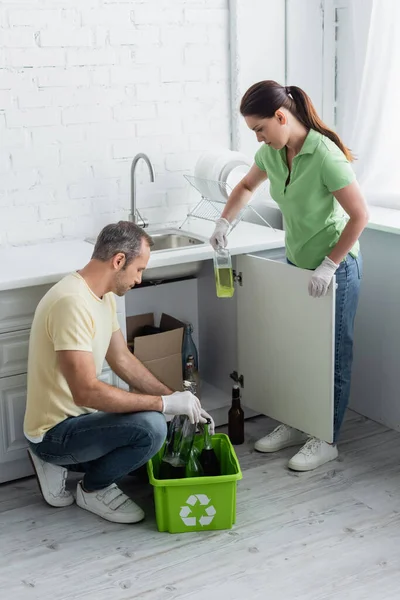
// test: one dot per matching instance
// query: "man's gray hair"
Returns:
(125, 237)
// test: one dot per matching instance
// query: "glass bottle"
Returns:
(180, 438)
(192, 376)
(194, 468)
(223, 273)
(208, 458)
(187, 440)
(189, 347)
(236, 418)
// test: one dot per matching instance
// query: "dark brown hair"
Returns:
(264, 98)
(123, 236)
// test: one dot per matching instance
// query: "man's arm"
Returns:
(131, 370)
(79, 370)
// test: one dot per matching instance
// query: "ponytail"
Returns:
(307, 115)
(263, 99)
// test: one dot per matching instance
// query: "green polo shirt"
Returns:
(314, 220)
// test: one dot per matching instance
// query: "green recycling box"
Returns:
(197, 503)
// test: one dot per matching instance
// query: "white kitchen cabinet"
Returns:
(14, 352)
(285, 345)
(271, 332)
(17, 308)
(14, 462)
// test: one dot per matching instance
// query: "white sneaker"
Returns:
(51, 480)
(111, 504)
(281, 437)
(313, 454)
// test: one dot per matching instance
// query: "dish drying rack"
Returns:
(211, 204)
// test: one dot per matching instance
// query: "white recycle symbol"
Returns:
(205, 519)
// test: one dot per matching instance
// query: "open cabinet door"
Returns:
(286, 345)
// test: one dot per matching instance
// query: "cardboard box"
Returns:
(161, 352)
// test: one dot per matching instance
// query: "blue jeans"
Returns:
(348, 279)
(104, 446)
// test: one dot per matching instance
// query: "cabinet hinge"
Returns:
(238, 277)
(237, 378)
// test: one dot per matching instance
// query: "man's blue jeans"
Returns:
(348, 279)
(104, 446)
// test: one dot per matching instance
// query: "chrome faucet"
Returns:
(135, 215)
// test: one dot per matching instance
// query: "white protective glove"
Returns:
(218, 239)
(203, 419)
(183, 403)
(321, 278)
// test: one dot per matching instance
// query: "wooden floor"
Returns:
(332, 533)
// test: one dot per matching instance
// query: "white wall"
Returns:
(283, 41)
(84, 86)
(305, 48)
(257, 53)
(310, 34)
(257, 33)
(351, 51)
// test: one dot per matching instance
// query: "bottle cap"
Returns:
(235, 391)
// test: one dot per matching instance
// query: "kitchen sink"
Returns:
(173, 240)
(166, 240)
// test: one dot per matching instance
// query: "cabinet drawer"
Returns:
(14, 353)
(17, 307)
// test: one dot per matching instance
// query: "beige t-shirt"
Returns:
(69, 317)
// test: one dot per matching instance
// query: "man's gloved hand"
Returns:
(203, 419)
(218, 238)
(321, 278)
(182, 403)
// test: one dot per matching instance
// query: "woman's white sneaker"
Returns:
(110, 503)
(51, 480)
(281, 437)
(313, 454)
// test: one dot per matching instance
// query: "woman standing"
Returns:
(314, 185)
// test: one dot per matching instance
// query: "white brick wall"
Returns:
(84, 86)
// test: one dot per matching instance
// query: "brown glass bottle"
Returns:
(236, 418)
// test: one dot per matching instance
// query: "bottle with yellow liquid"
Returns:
(223, 273)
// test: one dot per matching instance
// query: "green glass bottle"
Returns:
(194, 468)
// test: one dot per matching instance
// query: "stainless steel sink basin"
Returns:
(166, 240)
(173, 240)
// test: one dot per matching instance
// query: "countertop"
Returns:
(244, 238)
(384, 219)
(47, 263)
